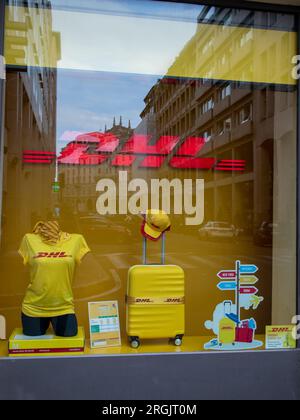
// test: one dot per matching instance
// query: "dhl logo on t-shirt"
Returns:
(52, 255)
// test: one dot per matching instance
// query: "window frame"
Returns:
(255, 6)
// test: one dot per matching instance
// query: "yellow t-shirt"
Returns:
(52, 269)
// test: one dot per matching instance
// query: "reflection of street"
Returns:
(196, 254)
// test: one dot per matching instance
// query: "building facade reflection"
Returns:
(30, 122)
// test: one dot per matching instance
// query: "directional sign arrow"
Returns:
(248, 290)
(249, 280)
(227, 275)
(227, 285)
(248, 269)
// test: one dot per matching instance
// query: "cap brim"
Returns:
(151, 233)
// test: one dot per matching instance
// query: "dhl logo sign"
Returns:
(32, 156)
(281, 330)
(51, 255)
(97, 149)
(155, 301)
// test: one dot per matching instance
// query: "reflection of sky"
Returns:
(177, 11)
(106, 51)
(127, 44)
(87, 101)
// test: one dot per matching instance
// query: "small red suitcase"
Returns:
(244, 335)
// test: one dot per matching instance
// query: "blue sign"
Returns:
(248, 269)
(227, 285)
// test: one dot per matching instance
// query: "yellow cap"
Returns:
(156, 223)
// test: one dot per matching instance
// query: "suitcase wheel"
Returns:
(134, 342)
(178, 340)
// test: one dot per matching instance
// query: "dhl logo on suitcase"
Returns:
(155, 301)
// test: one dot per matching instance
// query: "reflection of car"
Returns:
(104, 228)
(264, 234)
(218, 230)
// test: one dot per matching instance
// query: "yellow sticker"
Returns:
(280, 337)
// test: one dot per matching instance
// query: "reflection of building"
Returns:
(236, 119)
(30, 120)
(79, 178)
(148, 123)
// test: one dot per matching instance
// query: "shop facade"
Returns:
(187, 107)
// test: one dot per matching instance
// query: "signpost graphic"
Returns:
(241, 280)
(249, 280)
(227, 285)
(248, 290)
(227, 275)
(238, 306)
(248, 269)
(233, 331)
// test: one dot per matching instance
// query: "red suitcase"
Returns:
(244, 335)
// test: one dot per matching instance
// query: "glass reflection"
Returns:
(83, 105)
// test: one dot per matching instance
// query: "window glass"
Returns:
(225, 91)
(116, 107)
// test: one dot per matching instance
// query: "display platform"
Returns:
(190, 345)
(20, 345)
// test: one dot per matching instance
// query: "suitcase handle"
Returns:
(163, 250)
(229, 303)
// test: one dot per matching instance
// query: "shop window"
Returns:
(97, 134)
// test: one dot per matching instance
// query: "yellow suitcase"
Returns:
(227, 328)
(155, 306)
(227, 332)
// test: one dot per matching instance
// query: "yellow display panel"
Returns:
(190, 345)
(23, 346)
(241, 54)
(176, 49)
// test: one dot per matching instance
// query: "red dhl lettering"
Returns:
(280, 330)
(52, 255)
(138, 150)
